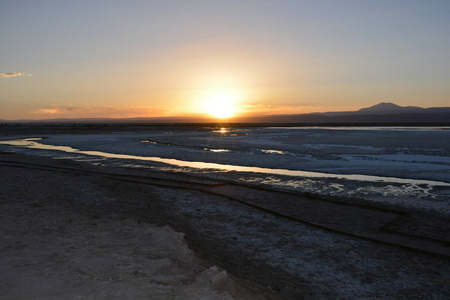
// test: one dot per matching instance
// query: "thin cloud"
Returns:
(262, 109)
(100, 112)
(14, 74)
(47, 111)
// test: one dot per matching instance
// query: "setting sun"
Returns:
(221, 105)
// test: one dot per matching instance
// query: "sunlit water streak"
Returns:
(33, 143)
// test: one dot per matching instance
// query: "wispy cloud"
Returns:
(100, 112)
(263, 109)
(46, 111)
(14, 74)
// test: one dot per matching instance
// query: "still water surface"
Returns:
(33, 143)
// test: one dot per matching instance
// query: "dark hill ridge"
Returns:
(387, 107)
(391, 108)
(382, 113)
(383, 106)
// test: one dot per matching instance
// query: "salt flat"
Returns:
(290, 260)
(420, 153)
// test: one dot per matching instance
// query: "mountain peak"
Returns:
(388, 107)
(382, 106)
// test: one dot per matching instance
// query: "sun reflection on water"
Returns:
(223, 130)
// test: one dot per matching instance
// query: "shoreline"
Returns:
(35, 144)
(415, 196)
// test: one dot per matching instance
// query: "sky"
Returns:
(121, 59)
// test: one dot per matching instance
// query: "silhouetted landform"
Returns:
(380, 114)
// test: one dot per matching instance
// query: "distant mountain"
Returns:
(390, 108)
(387, 113)
(382, 107)
(382, 113)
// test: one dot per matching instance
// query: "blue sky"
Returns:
(164, 58)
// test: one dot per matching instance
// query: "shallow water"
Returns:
(34, 144)
(384, 164)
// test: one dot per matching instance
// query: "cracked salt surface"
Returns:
(332, 265)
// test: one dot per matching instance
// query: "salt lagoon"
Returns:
(411, 161)
(404, 169)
